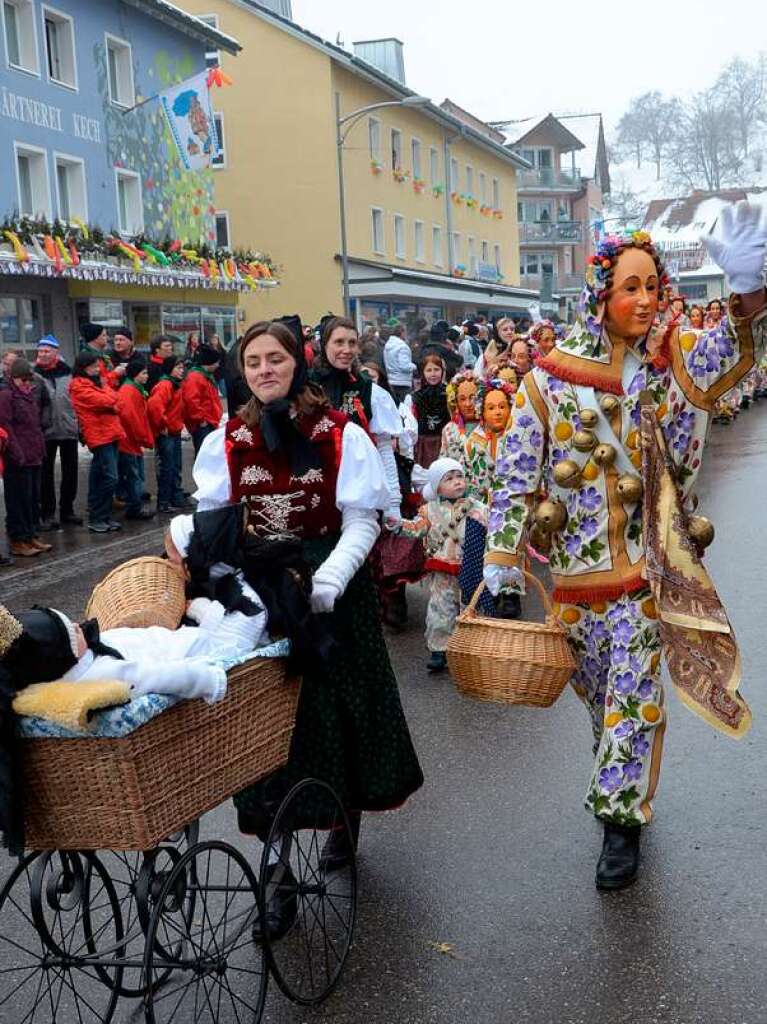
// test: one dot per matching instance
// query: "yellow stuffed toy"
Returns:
(70, 704)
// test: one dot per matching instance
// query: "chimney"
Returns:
(384, 54)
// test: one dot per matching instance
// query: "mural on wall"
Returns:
(178, 203)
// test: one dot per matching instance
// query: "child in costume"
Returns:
(441, 523)
(461, 395)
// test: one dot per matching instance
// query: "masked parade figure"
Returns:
(618, 408)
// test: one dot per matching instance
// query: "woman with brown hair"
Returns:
(304, 470)
(496, 355)
(430, 409)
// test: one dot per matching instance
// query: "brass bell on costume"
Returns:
(609, 404)
(584, 440)
(701, 531)
(567, 473)
(550, 516)
(630, 489)
(588, 418)
(604, 455)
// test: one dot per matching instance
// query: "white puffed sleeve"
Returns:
(211, 472)
(408, 439)
(361, 482)
(385, 418)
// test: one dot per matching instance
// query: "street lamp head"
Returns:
(415, 101)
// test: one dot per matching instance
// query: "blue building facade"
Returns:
(83, 141)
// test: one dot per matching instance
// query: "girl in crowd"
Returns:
(430, 409)
(302, 469)
(496, 355)
(461, 395)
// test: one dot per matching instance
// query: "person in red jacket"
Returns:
(95, 405)
(166, 418)
(202, 402)
(132, 409)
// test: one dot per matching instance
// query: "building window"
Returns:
(469, 180)
(400, 250)
(120, 68)
(212, 57)
(472, 254)
(496, 194)
(32, 179)
(379, 244)
(436, 245)
(222, 230)
(434, 166)
(456, 249)
(21, 324)
(454, 176)
(420, 253)
(70, 188)
(374, 138)
(396, 149)
(60, 47)
(485, 252)
(130, 207)
(415, 147)
(483, 188)
(497, 256)
(20, 35)
(219, 160)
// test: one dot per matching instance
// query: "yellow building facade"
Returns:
(430, 201)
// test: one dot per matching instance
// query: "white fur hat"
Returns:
(436, 471)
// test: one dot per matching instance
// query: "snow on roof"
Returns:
(679, 223)
(166, 11)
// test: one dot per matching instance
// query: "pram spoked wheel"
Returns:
(53, 908)
(307, 961)
(205, 967)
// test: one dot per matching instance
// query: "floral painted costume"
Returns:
(597, 558)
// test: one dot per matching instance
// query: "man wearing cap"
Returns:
(61, 436)
(123, 350)
(200, 396)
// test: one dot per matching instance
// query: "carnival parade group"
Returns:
(334, 468)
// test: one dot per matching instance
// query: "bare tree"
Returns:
(743, 84)
(658, 117)
(631, 133)
(705, 148)
(624, 205)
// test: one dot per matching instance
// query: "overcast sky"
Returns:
(549, 55)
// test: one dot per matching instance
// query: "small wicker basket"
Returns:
(510, 661)
(146, 591)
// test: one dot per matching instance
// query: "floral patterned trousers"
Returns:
(442, 611)
(618, 679)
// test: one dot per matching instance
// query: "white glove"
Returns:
(740, 247)
(386, 451)
(359, 531)
(324, 596)
(198, 608)
(501, 577)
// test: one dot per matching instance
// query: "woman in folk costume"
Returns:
(430, 408)
(543, 335)
(494, 404)
(304, 470)
(576, 429)
(461, 402)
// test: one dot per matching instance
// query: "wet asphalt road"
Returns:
(495, 855)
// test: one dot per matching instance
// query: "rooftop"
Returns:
(679, 223)
(172, 15)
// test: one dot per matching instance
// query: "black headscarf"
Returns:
(278, 426)
(337, 384)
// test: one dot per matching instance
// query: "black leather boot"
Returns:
(437, 662)
(618, 866)
(337, 852)
(281, 906)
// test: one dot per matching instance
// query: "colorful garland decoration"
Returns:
(419, 185)
(438, 190)
(376, 167)
(400, 175)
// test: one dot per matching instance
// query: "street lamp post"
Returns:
(343, 126)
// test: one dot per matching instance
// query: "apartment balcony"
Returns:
(549, 177)
(681, 258)
(560, 283)
(561, 232)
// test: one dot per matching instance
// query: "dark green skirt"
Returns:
(350, 729)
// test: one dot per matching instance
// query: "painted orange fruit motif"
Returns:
(651, 713)
(563, 431)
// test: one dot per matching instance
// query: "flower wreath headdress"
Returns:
(464, 377)
(537, 329)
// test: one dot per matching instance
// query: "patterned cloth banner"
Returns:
(189, 112)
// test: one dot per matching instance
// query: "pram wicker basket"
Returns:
(147, 591)
(510, 661)
(133, 792)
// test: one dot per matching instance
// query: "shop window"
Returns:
(20, 35)
(377, 221)
(120, 68)
(415, 147)
(418, 239)
(436, 245)
(21, 324)
(219, 158)
(222, 230)
(374, 138)
(70, 187)
(32, 179)
(434, 166)
(396, 149)
(60, 47)
(130, 207)
(400, 247)
(220, 321)
(181, 321)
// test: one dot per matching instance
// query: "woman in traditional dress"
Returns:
(430, 409)
(304, 470)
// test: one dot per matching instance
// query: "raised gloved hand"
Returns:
(500, 577)
(739, 246)
(324, 596)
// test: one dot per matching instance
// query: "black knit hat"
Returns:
(170, 364)
(134, 366)
(90, 332)
(206, 355)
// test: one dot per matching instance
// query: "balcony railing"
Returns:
(678, 258)
(548, 177)
(561, 232)
(560, 283)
